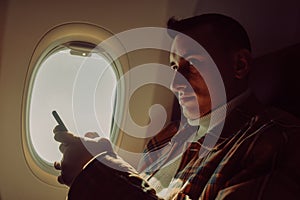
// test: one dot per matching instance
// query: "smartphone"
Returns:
(58, 120)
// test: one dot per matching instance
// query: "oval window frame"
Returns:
(50, 42)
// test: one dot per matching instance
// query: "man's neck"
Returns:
(228, 107)
(217, 116)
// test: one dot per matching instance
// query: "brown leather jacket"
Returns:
(259, 160)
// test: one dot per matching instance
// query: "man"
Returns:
(248, 155)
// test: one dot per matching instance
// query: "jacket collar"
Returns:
(235, 119)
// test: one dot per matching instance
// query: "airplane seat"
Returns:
(275, 79)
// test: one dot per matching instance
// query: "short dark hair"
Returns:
(228, 30)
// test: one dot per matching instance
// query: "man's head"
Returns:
(227, 43)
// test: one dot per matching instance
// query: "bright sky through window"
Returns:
(81, 89)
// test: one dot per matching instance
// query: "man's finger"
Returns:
(62, 147)
(59, 128)
(57, 165)
(91, 134)
(60, 179)
(64, 137)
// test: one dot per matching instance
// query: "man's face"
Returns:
(191, 68)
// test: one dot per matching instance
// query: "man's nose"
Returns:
(179, 82)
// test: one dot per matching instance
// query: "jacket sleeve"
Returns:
(109, 177)
(274, 156)
(273, 186)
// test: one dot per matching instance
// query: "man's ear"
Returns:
(242, 63)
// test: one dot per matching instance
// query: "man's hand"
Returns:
(77, 152)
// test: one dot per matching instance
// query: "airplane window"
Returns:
(80, 86)
(70, 74)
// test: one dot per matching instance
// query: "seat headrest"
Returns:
(275, 79)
